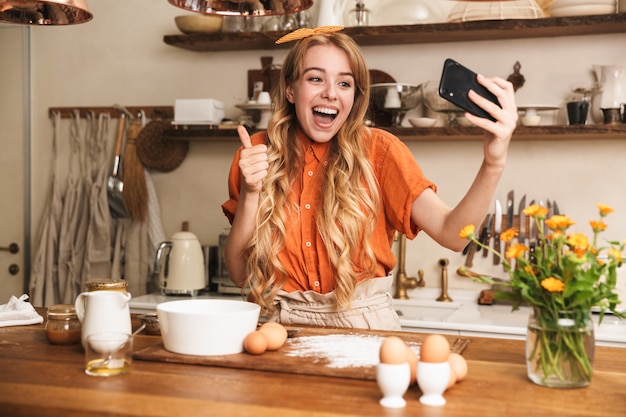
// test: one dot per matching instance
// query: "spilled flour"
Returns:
(341, 350)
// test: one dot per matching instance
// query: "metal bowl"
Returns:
(389, 102)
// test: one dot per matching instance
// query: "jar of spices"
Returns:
(63, 326)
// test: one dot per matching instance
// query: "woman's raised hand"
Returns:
(253, 162)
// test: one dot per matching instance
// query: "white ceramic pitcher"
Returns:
(103, 312)
(612, 80)
(330, 13)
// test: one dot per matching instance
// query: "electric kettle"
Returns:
(179, 263)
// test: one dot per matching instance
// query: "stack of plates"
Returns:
(581, 7)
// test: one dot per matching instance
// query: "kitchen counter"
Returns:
(465, 317)
(39, 379)
(462, 317)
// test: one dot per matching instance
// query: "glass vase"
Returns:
(560, 348)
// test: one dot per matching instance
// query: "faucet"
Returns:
(443, 262)
(402, 282)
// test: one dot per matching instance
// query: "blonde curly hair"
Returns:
(350, 200)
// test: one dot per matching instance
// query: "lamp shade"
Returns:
(51, 12)
(244, 7)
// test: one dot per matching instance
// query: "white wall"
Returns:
(120, 57)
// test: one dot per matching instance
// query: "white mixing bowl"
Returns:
(206, 327)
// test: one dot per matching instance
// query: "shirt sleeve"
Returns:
(229, 207)
(401, 181)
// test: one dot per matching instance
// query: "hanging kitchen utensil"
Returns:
(157, 151)
(135, 188)
(115, 186)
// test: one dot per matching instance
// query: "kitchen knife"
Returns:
(555, 208)
(532, 238)
(521, 237)
(510, 209)
(497, 229)
(510, 216)
(486, 237)
(473, 246)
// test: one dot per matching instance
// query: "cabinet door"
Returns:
(12, 152)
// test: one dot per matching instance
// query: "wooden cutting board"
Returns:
(345, 353)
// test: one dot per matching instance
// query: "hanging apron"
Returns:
(372, 307)
(156, 235)
(73, 221)
(43, 283)
(98, 241)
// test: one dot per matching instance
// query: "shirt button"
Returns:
(316, 283)
(325, 163)
(310, 173)
(307, 206)
(307, 244)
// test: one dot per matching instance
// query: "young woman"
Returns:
(315, 200)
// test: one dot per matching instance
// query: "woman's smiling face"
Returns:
(324, 94)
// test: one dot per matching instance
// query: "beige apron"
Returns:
(372, 307)
(98, 240)
(73, 228)
(44, 275)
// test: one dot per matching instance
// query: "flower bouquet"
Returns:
(561, 278)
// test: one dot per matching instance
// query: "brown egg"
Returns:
(255, 343)
(459, 365)
(412, 358)
(393, 350)
(276, 334)
(435, 349)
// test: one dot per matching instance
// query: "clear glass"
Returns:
(560, 349)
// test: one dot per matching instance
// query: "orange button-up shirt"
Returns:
(305, 257)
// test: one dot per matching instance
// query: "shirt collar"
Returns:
(319, 149)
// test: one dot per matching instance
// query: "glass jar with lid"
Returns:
(63, 326)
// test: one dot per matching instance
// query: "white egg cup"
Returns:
(393, 381)
(433, 379)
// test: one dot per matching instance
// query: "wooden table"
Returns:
(38, 380)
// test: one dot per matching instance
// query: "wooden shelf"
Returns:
(205, 133)
(413, 34)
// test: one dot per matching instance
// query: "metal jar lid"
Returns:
(106, 284)
(62, 312)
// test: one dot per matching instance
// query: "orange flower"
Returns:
(559, 222)
(529, 270)
(604, 209)
(508, 234)
(467, 232)
(553, 284)
(516, 251)
(597, 226)
(578, 240)
(536, 211)
(616, 254)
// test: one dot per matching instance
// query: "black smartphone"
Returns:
(456, 81)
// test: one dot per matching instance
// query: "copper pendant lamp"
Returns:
(51, 12)
(243, 7)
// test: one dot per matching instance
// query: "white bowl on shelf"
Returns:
(533, 120)
(422, 121)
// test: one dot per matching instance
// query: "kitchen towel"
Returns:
(18, 312)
